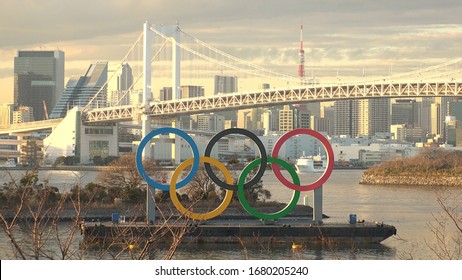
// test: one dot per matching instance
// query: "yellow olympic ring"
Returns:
(201, 216)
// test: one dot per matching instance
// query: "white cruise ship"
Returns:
(310, 164)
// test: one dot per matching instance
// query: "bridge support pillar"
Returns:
(150, 205)
(176, 149)
(317, 205)
(150, 192)
(145, 119)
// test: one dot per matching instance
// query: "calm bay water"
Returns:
(409, 209)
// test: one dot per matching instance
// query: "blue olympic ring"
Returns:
(145, 141)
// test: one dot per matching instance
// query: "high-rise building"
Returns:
(226, 84)
(379, 115)
(258, 119)
(270, 119)
(435, 116)
(455, 109)
(121, 82)
(450, 125)
(38, 80)
(6, 114)
(244, 119)
(166, 93)
(398, 131)
(459, 134)
(31, 152)
(79, 91)
(326, 121)
(286, 119)
(314, 108)
(406, 111)
(303, 119)
(125, 79)
(185, 92)
(346, 118)
(252, 119)
(210, 122)
(444, 111)
(361, 117)
(192, 91)
(425, 115)
(23, 114)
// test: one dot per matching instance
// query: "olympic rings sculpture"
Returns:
(228, 183)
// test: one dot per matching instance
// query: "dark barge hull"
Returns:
(225, 232)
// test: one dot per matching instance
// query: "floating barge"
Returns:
(235, 231)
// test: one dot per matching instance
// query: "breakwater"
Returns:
(412, 180)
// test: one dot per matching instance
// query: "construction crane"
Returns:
(45, 109)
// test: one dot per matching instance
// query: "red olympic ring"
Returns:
(330, 159)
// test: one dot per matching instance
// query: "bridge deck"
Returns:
(236, 101)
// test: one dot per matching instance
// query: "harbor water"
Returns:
(411, 209)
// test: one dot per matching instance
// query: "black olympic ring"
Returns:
(255, 139)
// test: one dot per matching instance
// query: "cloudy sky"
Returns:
(349, 35)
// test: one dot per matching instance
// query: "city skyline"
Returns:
(346, 37)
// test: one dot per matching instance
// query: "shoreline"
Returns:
(441, 180)
(64, 168)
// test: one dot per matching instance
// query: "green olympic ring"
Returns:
(246, 205)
